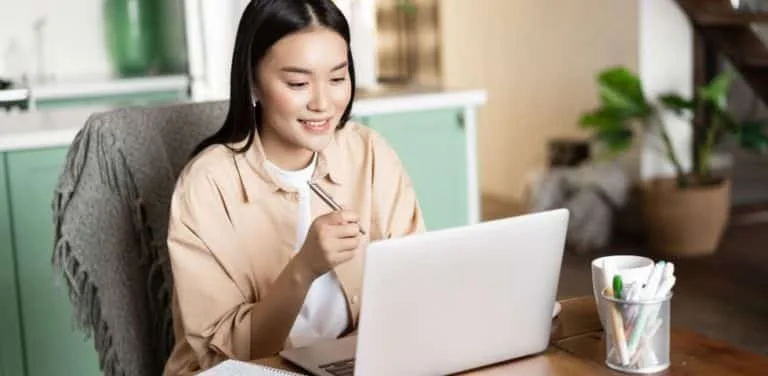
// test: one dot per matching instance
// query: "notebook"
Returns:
(237, 368)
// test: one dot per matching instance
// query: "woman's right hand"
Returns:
(331, 240)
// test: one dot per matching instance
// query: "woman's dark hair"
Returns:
(262, 24)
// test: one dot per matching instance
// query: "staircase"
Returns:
(729, 31)
(720, 29)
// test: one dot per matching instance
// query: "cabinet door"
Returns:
(11, 357)
(431, 145)
(52, 345)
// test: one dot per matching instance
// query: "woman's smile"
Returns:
(316, 126)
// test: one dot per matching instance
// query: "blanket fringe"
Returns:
(82, 291)
(84, 296)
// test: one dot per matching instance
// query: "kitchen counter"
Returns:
(58, 127)
(43, 128)
(388, 99)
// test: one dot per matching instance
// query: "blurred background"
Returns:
(485, 102)
(537, 62)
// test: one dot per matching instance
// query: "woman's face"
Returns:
(304, 87)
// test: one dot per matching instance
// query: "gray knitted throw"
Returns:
(110, 212)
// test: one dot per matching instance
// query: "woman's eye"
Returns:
(338, 79)
(297, 84)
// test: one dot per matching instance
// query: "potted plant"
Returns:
(684, 215)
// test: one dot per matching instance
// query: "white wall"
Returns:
(74, 37)
(211, 28)
(665, 43)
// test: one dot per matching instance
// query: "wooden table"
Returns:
(577, 348)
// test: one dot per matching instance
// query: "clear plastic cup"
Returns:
(636, 333)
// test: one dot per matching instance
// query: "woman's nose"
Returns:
(319, 101)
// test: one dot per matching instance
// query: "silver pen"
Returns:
(328, 199)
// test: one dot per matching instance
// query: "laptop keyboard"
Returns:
(340, 368)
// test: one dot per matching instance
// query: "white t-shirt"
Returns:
(324, 313)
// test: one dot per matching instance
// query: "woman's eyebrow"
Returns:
(339, 66)
(293, 69)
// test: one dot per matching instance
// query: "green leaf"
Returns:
(676, 103)
(753, 136)
(716, 90)
(603, 118)
(621, 90)
(617, 140)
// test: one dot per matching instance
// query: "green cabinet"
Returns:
(51, 344)
(432, 146)
(11, 358)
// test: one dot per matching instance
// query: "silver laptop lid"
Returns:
(456, 299)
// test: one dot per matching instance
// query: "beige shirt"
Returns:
(232, 230)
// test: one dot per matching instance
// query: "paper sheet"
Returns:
(238, 368)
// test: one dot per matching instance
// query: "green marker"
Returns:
(617, 287)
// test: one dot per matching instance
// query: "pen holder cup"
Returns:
(636, 333)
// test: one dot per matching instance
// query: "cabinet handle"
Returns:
(460, 119)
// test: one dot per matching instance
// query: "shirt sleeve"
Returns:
(214, 302)
(396, 206)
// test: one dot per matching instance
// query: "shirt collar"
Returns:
(330, 163)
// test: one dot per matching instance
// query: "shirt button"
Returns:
(354, 299)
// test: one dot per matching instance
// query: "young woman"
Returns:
(259, 261)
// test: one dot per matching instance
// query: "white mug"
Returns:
(632, 269)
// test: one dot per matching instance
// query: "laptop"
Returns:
(450, 300)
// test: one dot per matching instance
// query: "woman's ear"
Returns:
(254, 96)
